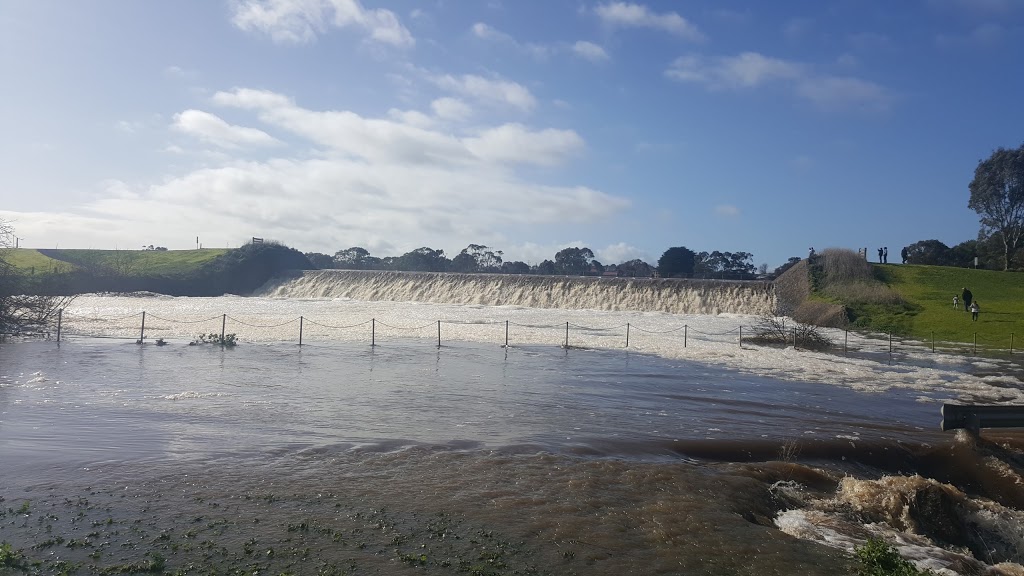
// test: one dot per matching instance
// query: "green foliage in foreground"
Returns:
(880, 559)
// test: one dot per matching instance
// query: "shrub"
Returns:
(878, 558)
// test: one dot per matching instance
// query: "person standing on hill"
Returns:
(956, 301)
(879, 255)
(885, 255)
(903, 254)
(974, 311)
(967, 297)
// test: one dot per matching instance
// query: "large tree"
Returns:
(930, 252)
(573, 261)
(997, 195)
(677, 261)
(353, 258)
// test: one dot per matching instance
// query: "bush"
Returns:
(773, 330)
(880, 559)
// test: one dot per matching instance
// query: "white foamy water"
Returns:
(711, 339)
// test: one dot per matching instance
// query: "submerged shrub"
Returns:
(877, 558)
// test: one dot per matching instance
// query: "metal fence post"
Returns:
(373, 331)
(438, 333)
(300, 330)
(846, 341)
(223, 324)
(933, 340)
(506, 333)
(627, 335)
(684, 335)
(60, 317)
(567, 335)
(741, 336)
(890, 343)
(1011, 340)
(142, 331)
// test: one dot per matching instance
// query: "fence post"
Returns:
(567, 335)
(373, 332)
(846, 341)
(1011, 339)
(627, 335)
(933, 340)
(794, 338)
(438, 333)
(684, 335)
(142, 331)
(223, 323)
(506, 333)
(741, 336)
(975, 343)
(60, 317)
(300, 330)
(890, 343)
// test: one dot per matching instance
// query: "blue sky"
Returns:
(525, 125)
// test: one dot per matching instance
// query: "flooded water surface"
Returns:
(338, 457)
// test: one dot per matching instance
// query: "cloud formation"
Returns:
(627, 15)
(299, 21)
(390, 184)
(589, 51)
(750, 70)
(211, 128)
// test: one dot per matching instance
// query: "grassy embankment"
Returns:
(916, 301)
(206, 272)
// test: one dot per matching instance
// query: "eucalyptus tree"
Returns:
(997, 195)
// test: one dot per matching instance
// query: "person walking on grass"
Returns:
(956, 302)
(966, 296)
(974, 311)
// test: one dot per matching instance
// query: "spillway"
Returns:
(676, 296)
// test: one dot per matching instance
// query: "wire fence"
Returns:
(150, 328)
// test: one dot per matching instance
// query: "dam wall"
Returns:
(676, 296)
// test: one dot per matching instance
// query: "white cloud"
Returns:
(391, 184)
(727, 211)
(625, 14)
(619, 253)
(299, 21)
(843, 92)
(751, 70)
(589, 51)
(491, 34)
(213, 129)
(451, 109)
(515, 144)
(745, 70)
(497, 91)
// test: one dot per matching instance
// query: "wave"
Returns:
(570, 292)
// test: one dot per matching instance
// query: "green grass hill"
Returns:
(916, 301)
(205, 272)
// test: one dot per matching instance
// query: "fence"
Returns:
(569, 334)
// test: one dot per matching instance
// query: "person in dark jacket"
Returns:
(967, 297)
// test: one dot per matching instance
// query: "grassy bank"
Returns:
(137, 262)
(916, 301)
(930, 289)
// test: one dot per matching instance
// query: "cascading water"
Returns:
(637, 294)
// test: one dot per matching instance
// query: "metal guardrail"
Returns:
(974, 418)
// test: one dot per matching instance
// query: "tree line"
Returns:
(676, 262)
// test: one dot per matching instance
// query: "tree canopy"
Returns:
(677, 261)
(997, 195)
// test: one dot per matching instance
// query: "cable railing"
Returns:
(150, 327)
